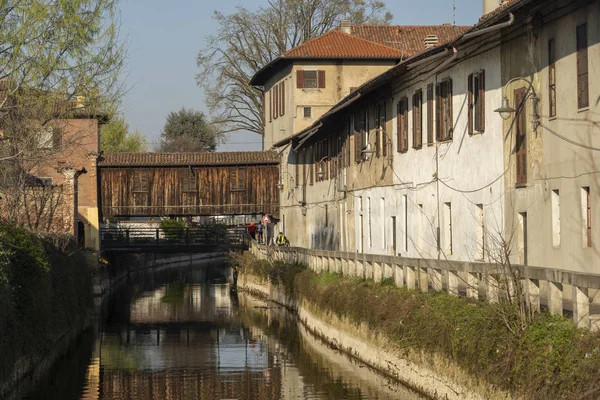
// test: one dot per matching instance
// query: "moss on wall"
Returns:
(45, 288)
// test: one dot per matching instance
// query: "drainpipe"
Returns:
(511, 20)
(428, 59)
(442, 65)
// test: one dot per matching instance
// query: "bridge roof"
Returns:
(186, 159)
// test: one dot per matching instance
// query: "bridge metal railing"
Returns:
(190, 236)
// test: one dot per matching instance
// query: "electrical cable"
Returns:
(585, 146)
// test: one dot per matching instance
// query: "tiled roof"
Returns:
(505, 4)
(336, 44)
(180, 159)
(410, 40)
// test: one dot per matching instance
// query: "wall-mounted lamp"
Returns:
(280, 184)
(320, 172)
(506, 110)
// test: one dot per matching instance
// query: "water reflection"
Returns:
(173, 338)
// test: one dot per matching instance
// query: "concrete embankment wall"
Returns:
(357, 342)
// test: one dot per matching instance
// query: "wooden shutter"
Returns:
(357, 137)
(470, 103)
(450, 118)
(303, 160)
(270, 105)
(430, 114)
(405, 124)
(521, 136)
(582, 67)
(399, 126)
(552, 77)
(275, 100)
(377, 132)
(311, 166)
(321, 79)
(438, 113)
(297, 160)
(417, 120)
(482, 101)
(300, 79)
(282, 96)
(384, 135)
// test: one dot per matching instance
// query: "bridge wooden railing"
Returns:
(189, 237)
(559, 291)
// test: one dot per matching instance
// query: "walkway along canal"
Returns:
(183, 334)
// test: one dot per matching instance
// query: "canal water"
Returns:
(185, 335)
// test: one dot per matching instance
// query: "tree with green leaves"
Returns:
(247, 40)
(189, 131)
(58, 60)
(116, 138)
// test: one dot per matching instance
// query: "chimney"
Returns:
(490, 5)
(345, 26)
(430, 41)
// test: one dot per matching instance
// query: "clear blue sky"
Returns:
(164, 37)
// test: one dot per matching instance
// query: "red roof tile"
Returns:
(504, 5)
(336, 44)
(410, 40)
(181, 159)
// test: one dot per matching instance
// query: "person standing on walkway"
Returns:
(252, 230)
(259, 230)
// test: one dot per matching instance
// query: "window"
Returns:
(582, 67)
(476, 95)
(238, 179)
(369, 221)
(448, 227)
(307, 112)
(379, 131)
(394, 234)
(443, 110)
(402, 121)
(281, 98)
(417, 120)
(382, 219)
(140, 180)
(430, 114)
(310, 79)
(555, 218)
(49, 137)
(586, 216)
(552, 77)
(405, 211)
(480, 233)
(521, 136)
(188, 180)
(523, 238)
(46, 181)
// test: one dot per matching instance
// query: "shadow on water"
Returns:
(184, 335)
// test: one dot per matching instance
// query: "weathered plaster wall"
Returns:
(553, 163)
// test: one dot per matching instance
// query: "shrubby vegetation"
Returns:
(44, 290)
(550, 358)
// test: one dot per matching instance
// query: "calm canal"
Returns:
(183, 335)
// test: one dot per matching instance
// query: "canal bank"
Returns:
(179, 334)
(82, 297)
(445, 346)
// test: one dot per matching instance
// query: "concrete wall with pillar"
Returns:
(543, 288)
